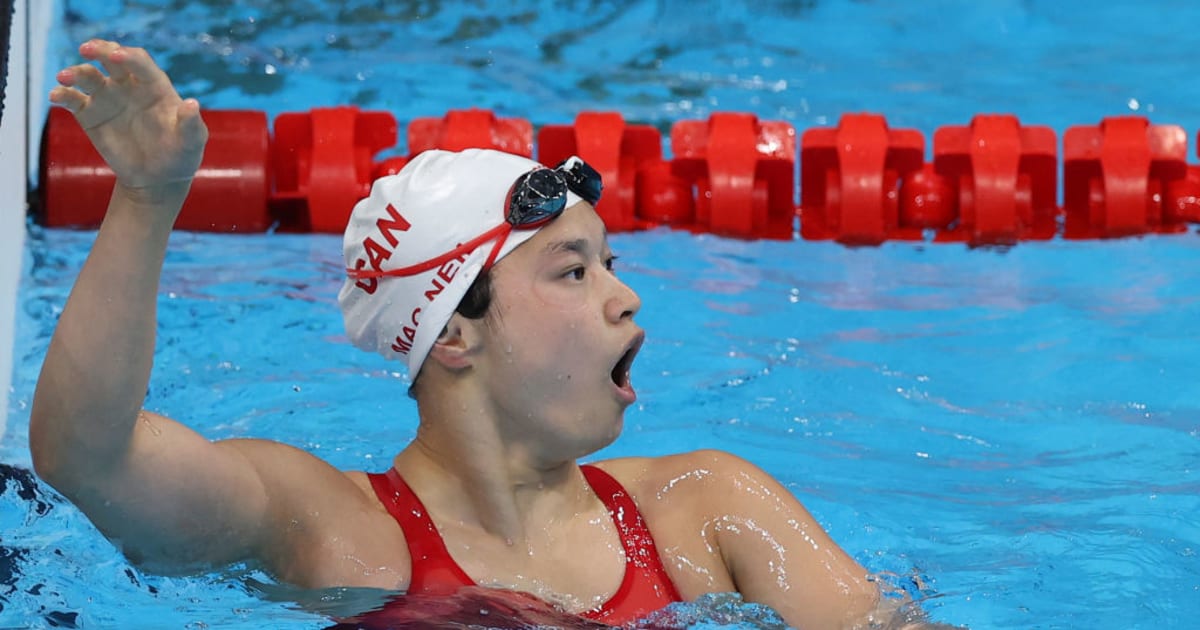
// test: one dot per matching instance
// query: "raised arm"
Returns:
(98, 364)
(169, 497)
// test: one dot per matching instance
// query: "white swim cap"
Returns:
(417, 242)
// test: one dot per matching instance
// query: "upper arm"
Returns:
(176, 501)
(779, 555)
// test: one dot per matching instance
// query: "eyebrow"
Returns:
(578, 246)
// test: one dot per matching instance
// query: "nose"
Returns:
(624, 302)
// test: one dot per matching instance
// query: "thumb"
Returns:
(191, 125)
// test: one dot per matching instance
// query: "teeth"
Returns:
(620, 373)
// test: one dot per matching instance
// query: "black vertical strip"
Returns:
(6, 16)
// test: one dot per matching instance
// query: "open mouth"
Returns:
(620, 372)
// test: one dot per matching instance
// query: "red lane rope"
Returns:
(993, 181)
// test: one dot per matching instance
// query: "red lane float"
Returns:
(1116, 175)
(1184, 194)
(742, 169)
(991, 182)
(471, 129)
(1001, 178)
(850, 181)
(229, 192)
(618, 151)
(323, 165)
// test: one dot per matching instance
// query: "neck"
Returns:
(463, 469)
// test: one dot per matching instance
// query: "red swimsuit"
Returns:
(645, 588)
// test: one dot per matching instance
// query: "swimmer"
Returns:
(492, 279)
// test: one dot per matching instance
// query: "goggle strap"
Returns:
(501, 230)
(573, 175)
(496, 248)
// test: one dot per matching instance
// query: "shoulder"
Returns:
(684, 500)
(684, 488)
(704, 486)
(680, 475)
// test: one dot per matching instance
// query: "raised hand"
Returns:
(149, 136)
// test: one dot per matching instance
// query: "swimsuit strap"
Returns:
(646, 586)
(433, 569)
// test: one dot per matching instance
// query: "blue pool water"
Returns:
(1013, 435)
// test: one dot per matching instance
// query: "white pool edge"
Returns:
(24, 109)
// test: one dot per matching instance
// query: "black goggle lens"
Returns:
(582, 179)
(537, 197)
(540, 195)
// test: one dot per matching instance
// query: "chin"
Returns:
(613, 434)
(601, 440)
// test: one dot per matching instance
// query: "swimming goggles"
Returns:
(536, 198)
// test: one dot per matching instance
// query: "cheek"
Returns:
(525, 336)
(559, 296)
(542, 309)
(544, 327)
(550, 347)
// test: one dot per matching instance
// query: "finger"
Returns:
(93, 49)
(138, 63)
(84, 77)
(191, 124)
(102, 51)
(72, 100)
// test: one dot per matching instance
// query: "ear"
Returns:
(455, 348)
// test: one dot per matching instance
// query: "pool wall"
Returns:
(23, 112)
(13, 163)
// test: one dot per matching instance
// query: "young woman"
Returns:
(491, 277)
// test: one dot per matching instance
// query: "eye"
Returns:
(576, 273)
(610, 262)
